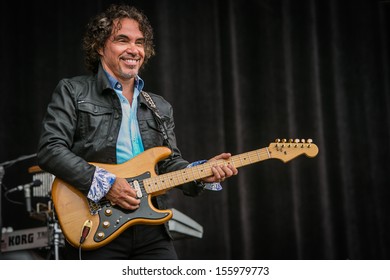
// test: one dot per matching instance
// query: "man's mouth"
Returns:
(131, 61)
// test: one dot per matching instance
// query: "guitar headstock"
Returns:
(286, 150)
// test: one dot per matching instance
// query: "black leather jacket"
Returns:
(82, 125)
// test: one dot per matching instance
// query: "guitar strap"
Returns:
(160, 121)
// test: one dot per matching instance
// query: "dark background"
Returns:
(239, 74)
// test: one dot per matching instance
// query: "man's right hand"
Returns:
(123, 195)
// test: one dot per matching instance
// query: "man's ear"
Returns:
(100, 51)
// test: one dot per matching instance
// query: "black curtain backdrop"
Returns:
(239, 74)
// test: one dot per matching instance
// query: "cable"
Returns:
(84, 234)
(80, 253)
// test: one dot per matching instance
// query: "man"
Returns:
(107, 118)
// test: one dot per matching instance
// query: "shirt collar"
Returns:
(138, 84)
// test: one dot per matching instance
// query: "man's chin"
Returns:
(130, 75)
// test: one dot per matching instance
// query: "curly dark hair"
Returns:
(100, 27)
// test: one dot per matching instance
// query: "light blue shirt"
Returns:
(129, 142)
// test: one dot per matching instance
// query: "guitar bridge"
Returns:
(94, 207)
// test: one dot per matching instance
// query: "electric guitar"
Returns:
(92, 225)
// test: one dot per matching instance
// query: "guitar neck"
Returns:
(161, 183)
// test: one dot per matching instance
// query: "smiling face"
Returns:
(124, 51)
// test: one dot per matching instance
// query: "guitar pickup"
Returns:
(137, 188)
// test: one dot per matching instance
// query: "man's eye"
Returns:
(120, 39)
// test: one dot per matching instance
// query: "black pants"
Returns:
(138, 242)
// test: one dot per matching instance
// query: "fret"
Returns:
(147, 185)
(258, 154)
(199, 172)
(248, 158)
(184, 176)
(171, 181)
(240, 161)
(269, 156)
(162, 181)
(176, 180)
(244, 159)
(235, 160)
(250, 154)
(154, 184)
(191, 172)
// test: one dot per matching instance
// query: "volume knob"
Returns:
(100, 235)
(108, 212)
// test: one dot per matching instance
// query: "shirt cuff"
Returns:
(101, 184)
(206, 186)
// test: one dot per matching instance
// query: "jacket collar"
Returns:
(103, 84)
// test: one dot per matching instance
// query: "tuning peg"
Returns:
(296, 140)
(310, 141)
(277, 140)
(284, 140)
(303, 141)
(290, 140)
